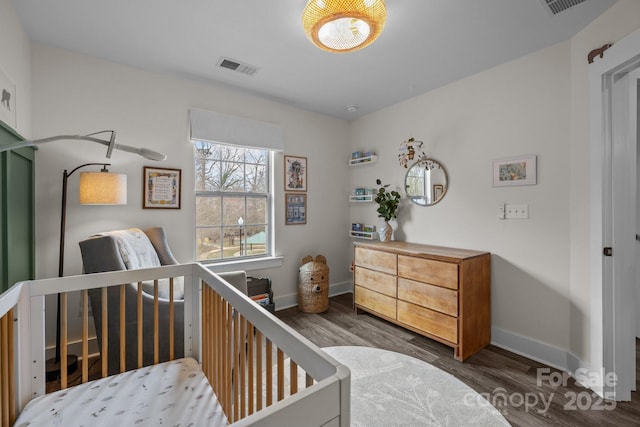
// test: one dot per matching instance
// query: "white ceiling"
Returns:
(424, 45)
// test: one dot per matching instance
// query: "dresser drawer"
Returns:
(434, 297)
(374, 280)
(432, 322)
(427, 270)
(377, 302)
(376, 260)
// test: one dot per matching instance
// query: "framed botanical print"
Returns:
(295, 173)
(515, 171)
(295, 208)
(161, 188)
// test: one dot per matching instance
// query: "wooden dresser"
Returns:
(441, 293)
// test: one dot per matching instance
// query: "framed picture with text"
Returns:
(295, 208)
(161, 188)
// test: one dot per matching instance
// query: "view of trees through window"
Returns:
(232, 201)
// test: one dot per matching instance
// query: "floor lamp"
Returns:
(96, 188)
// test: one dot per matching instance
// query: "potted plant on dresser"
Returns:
(388, 202)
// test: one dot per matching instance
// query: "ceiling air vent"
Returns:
(557, 6)
(238, 66)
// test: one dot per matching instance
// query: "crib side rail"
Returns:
(263, 372)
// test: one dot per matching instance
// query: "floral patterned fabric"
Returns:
(173, 393)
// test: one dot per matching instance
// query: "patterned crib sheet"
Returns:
(172, 394)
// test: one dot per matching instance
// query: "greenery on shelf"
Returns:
(387, 201)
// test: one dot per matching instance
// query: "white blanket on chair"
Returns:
(137, 252)
(136, 249)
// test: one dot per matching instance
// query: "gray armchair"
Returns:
(130, 249)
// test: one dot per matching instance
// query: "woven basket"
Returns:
(313, 285)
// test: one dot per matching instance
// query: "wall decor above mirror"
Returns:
(426, 182)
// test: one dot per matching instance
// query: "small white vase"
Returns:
(385, 231)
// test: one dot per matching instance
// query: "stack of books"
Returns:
(262, 299)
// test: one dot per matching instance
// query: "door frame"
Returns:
(609, 90)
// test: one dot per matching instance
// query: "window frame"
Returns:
(267, 196)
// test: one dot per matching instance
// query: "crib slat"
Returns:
(123, 331)
(269, 369)
(243, 366)
(172, 315)
(140, 326)
(4, 370)
(229, 334)
(293, 377)
(258, 370)
(104, 357)
(9, 355)
(63, 340)
(156, 319)
(250, 363)
(280, 375)
(236, 367)
(206, 314)
(85, 335)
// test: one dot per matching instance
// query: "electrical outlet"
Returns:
(517, 211)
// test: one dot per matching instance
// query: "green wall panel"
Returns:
(17, 232)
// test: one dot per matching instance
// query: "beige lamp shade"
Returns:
(103, 188)
(343, 25)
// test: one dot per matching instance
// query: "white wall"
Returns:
(515, 109)
(78, 94)
(537, 104)
(15, 61)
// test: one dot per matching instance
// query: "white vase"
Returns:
(385, 231)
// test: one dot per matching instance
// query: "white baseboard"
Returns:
(535, 350)
(75, 348)
(291, 300)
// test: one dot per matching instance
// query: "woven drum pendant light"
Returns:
(343, 25)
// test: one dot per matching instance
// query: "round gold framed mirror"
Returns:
(426, 182)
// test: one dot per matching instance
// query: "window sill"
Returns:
(245, 264)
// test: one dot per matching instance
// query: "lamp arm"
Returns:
(110, 143)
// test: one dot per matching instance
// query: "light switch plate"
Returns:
(520, 211)
(501, 211)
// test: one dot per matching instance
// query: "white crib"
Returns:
(242, 350)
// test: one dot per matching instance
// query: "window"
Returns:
(232, 201)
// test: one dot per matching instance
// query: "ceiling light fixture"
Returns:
(343, 25)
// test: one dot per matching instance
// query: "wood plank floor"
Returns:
(494, 371)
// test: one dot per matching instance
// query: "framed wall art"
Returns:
(295, 173)
(295, 208)
(7, 100)
(515, 171)
(161, 188)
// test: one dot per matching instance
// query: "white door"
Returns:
(613, 152)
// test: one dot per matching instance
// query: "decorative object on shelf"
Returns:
(161, 188)
(343, 25)
(515, 171)
(295, 208)
(362, 195)
(426, 182)
(388, 202)
(313, 284)
(409, 150)
(7, 101)
(295, 173)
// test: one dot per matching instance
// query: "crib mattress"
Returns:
(172, 394)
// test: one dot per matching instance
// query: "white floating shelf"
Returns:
(368, 235)
(361, 199)
(363, 160)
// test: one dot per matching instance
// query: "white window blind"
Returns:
(215, 127)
